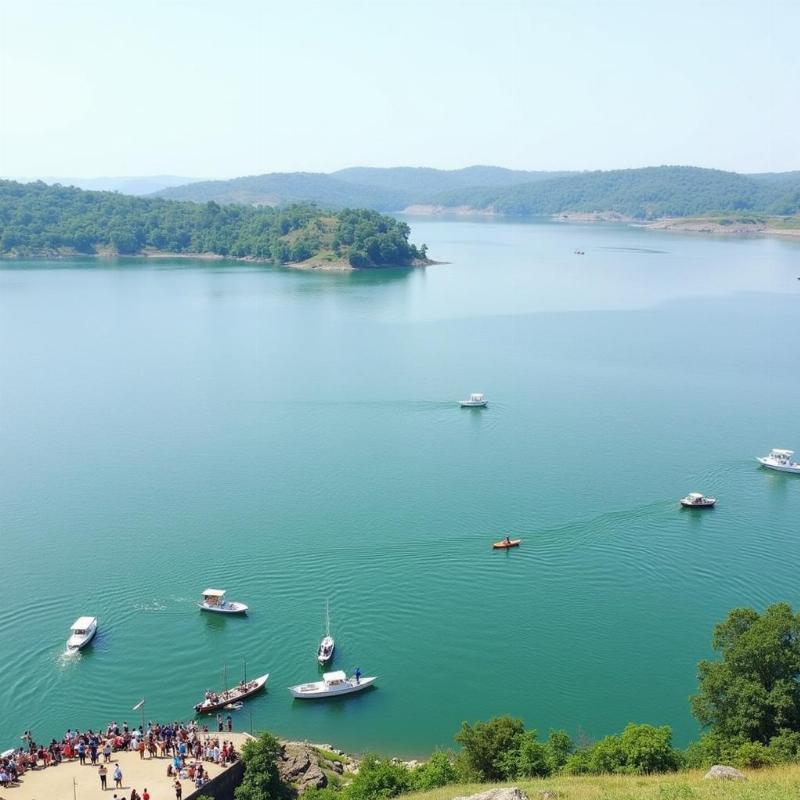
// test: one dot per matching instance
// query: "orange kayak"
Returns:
(503, 545)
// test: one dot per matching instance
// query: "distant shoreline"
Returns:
(738, 224)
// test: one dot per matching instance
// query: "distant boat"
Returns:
(697, 500)
(214, 600)
(81, 633)
(214, 701)
(476, 400)
(580, 253)
(780, 460)
(327, 644)
(331, 685)
(506, 543)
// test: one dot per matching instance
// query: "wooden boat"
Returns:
(331, 685)
(327, 645)
(504, 545)
(697, 500)
(216, 701)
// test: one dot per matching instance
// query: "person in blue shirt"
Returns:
(358, 675)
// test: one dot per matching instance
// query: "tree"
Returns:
(753, 692)
(261, 780)
(559, 748)
(649, 749)
(486, 743)
(530, 759)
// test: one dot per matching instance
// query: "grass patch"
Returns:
(778, 783)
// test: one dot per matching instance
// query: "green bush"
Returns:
(785, 746)
(486, 745)
(753, 755)
(379, 778)
(438, 771)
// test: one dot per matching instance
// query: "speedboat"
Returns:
(697, 500)
(214, 701)
(780, 460)
(82, 632)
(331, 685)
(506, 543)
(475, 400)
(327, 644)
(214, 600)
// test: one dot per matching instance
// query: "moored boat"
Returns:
(475, 400)
(780, 460)
(697, 500)
(82, 632)
(214, 600)
(332, 684)
(506, 543)
(214, 701)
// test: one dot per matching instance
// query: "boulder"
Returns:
(312, 778)
(720, 772)
(504, 793)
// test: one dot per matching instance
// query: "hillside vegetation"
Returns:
(647, 193)
(36, 219)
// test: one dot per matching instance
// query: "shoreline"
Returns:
(313, 264)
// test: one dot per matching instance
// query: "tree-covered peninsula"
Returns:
(41, 220)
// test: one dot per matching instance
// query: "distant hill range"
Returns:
(149, 184)
(646, 193)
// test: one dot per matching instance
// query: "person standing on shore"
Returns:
(117, 777)
(178, 790)
(103, 772)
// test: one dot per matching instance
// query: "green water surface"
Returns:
(293, 437)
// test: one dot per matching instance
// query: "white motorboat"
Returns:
(214, 600)
(475, 400)
(327, 644)
(331, 685)
(697, 500)
(780, 460)
(82, 632)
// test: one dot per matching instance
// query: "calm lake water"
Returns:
(294, 437)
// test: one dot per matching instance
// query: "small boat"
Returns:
(697, 500)
(476, 400)
(214, 600)
(331, 685)
(327, 644)
(506, 543)
(214, 701)
(82, 632)
(780, 460)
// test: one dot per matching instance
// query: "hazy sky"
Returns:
(221, 88)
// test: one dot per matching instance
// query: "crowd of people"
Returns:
(186, 746)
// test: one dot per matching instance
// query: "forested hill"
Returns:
(646, 193)
(381, 189)
(37, 219)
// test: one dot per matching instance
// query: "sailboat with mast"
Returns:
(327, 643)
(215, 701)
